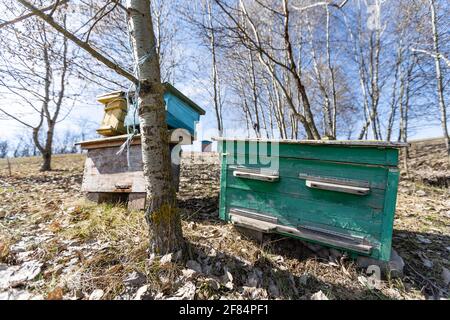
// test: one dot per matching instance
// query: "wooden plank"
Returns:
(291, 211)
(255, 176)
(117, 141)
(370, 143)
(337, 187)
(223, 212)
(323, 237)
(293, 168)
(389, 213)
(105, 171)
(253, 224)
(327, 240)
(360, 153)
(297, 188)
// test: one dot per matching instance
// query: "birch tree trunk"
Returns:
(393, 107)
(214, 71)
(162, 214)
(439, 80)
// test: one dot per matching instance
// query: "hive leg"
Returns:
(136, 201)
(94, 196)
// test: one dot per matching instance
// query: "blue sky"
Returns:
(194, 87)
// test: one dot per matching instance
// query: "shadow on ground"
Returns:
(263, 273)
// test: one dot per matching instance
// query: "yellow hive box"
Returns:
(115, 112)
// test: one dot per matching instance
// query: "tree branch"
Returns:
(434, 55)
(15, 118)
(52, 7)
(322, 3)
(87, 47)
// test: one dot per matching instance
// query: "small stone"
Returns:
(229, 285)
(188, 274)
(319, 295)
(159, 296)
(394, 267)
(194, 265)
(192, 225)
(140, 292)
(186, 292)
(227, 277)
(27, 271)
(421, 193)
(396, 264)
(166, 259)
(97, 294)
(2, 213)
(279, 259)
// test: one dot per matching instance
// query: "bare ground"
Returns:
(55, 245)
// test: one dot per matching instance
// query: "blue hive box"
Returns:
(181, 112)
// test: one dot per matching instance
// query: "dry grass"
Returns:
(22, 167)
(125, 240)
(102, 244)
(5, 243)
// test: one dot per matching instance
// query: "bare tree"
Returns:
(35, 70)
(4, 149)
(162, 214)
(439, 76)
(245, 27)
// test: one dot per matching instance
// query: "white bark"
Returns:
(439, 78)
(162, 215)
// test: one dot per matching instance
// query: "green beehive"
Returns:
(337, 193)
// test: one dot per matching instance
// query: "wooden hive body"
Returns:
(181, 112)
(114, 116)
(340, 194)
(107, 176)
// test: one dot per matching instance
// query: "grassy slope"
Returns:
(86, 247)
